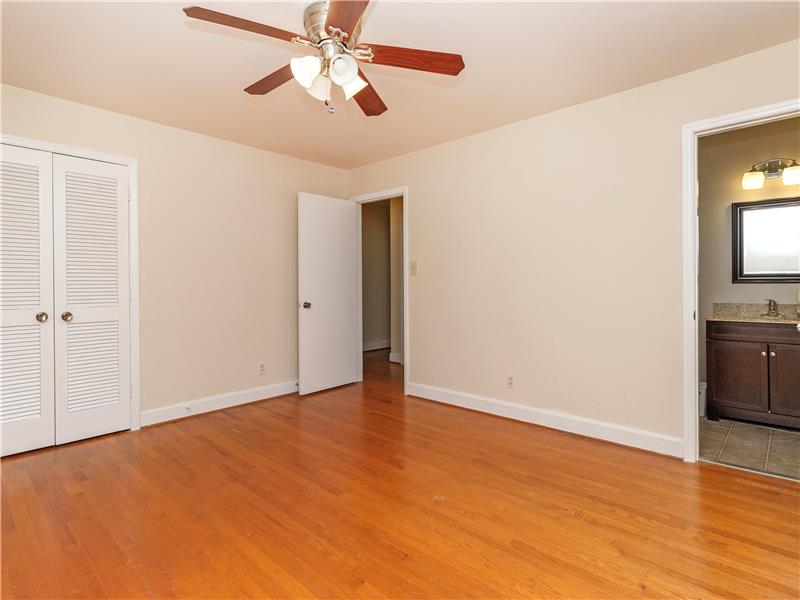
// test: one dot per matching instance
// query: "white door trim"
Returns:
(133, 250)
(375, 197)
(691, 133)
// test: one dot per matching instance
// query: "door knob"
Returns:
(41, 317)
(66, 316)
(306, 304)
(772, 354)
(763, 353)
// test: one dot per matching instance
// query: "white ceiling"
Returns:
(522, 59)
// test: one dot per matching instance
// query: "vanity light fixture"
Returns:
(787, 168)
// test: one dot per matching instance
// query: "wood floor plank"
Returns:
(360, 492)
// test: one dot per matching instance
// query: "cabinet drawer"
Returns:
(779, 333)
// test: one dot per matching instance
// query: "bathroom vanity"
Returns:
(753, 368)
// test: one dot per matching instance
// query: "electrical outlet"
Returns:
(510, 383)
(261, 368)
(412, 267)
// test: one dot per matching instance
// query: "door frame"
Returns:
(133, 248)
(375, 197)
(691, 133)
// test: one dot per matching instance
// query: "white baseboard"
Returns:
(603, 430)
(203, 405)
(379, 345)
(396, 357)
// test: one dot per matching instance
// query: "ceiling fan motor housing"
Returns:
(314, 18)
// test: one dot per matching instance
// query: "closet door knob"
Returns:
(66, 316)
(763, 353)
(772, 354)
(41, 317)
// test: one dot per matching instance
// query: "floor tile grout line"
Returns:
(769, 446)
(725, 441)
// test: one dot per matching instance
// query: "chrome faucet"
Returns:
(772, 309)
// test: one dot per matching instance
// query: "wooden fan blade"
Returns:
(345, 14)
(369, 100)
(270, 82)
(444, 63)
(212, 16)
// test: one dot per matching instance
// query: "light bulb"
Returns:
(320, 88)
(344, 69)
(352, 88)
(305, 69)
(753, 180)
(791, 175)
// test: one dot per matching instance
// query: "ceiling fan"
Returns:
(332, 29)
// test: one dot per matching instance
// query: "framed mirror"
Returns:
(766, 241)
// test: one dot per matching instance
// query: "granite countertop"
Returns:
(752, 319)
(753, 313)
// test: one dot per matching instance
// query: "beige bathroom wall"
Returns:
(396, 261)
(723, 158)
(375, 270)
(218, 245)
(551, 248)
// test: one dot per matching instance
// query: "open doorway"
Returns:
(382, 287)
(749, 297)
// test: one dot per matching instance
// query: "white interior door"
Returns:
(26, 300)
(92, 292)
(328, 292)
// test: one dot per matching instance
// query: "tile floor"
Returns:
(751, 446)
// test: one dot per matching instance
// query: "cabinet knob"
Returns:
(772, 354)
(763, 353)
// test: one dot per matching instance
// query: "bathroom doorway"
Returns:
(748, 350)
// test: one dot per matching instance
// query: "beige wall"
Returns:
(375, 270)
(551, 248)
(218, 245)
(396, 262)
(723, 158)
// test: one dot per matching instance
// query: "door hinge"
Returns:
(694, 315)
(131, 391)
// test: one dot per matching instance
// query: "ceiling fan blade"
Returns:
(368, 99)
(212, 16)
(345, 14)
(444, 63)
(270, 82)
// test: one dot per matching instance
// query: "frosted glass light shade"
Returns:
(791, 175)
(344, 69)
(305, 69)
(753, 180)
(352, 88)
(320, 88)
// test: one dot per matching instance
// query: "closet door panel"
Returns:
(91, 298)
(26, 291)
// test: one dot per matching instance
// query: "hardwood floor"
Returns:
(360, 492)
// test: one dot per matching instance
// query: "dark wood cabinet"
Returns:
(754, 371)
(784, 379)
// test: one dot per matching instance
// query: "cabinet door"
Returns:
(784, 379)
(738, 374)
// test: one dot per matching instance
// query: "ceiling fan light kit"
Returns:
(332, 29)
(306, 69)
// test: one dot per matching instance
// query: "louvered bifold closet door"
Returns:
(26, 300)
(90, 208)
